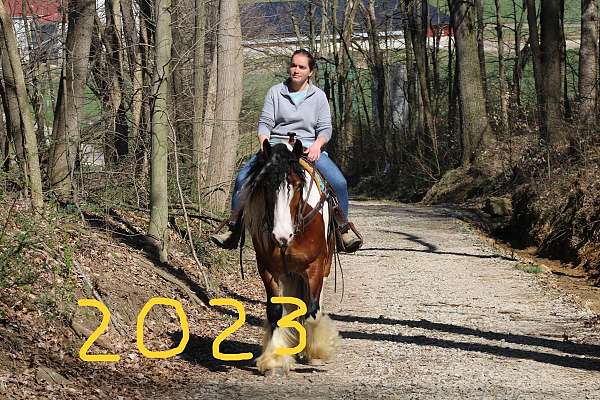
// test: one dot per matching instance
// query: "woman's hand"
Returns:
(314, 151)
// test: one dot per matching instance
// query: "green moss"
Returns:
(529, 268)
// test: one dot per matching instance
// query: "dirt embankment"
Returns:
(555, 214)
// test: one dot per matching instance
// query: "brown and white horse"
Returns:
(288, 219)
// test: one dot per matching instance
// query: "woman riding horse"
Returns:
(288, 218)
(296, 106)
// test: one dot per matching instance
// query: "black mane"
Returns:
(268, 172)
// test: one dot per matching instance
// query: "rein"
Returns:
(304, 220)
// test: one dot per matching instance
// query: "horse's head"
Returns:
(274, 191)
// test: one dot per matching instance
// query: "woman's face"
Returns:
(299, 70)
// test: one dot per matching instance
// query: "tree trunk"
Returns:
(476, 132)
(211, 89)
(31, 148)
(518, 64)
(550, 44)
(412, 101)
(501, 72)
(452, 97)
(568, 112)
(4, 148)
(179, 58)
(146, 46)
(13, 115)
(378, 79)
(480, 48)
(588, 63)
(69, 103)
(159, 202)
(325, 31)
(229, 89)
(209, 114)
(118, 145)
(198, 126)
(35, 86)
(312, 36)
(419, 45)
(534, 44)
(135, 69)
(345, 136)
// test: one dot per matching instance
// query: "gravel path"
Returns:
(431, 311)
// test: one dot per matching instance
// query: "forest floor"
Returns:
(430, 309)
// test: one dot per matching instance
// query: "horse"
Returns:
(288, 219)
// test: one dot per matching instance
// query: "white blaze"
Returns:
(283, 228)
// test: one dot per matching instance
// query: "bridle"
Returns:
(303, 218)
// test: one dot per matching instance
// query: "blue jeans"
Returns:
(325, 166)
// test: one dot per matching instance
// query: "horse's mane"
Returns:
(264, 179)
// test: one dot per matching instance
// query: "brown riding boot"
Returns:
(350, 239)
(230, 239)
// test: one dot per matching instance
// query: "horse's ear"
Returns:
(266, 148)
(298, 150)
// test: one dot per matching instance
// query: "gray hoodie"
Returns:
(309, 119)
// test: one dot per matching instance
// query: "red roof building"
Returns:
(45, 10)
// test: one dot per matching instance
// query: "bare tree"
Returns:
(199, 71)
(31, 147)
(480, 46)
(135, 67)
(588, 63)
(118, 130)
(11, 107)
(35, 88)
(476, 132)
(501, 71)
(224, 141)
(534, 43)
(4, 142)
(381, 112)
(146, 79)
(419, 46)
(521, 55)
(67, 115)
(159, 204)
(550, 45)
(345, 121)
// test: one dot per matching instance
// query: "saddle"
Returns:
(320, 181)
(337, 220)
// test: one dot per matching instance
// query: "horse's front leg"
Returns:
(274, 337)
(322, 337)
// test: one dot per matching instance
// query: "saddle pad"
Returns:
(312, 171)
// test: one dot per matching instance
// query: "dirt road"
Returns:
(431, 311)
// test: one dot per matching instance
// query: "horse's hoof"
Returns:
(316, 362)
(272, 362)
(276, 372)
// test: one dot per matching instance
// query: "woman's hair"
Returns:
(311, 60)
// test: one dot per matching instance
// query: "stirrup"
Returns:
(345, 241)
(230, 239)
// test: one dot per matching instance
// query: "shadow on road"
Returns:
(429, 248)
(561, 360)
(199, 351)
(364, 249)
